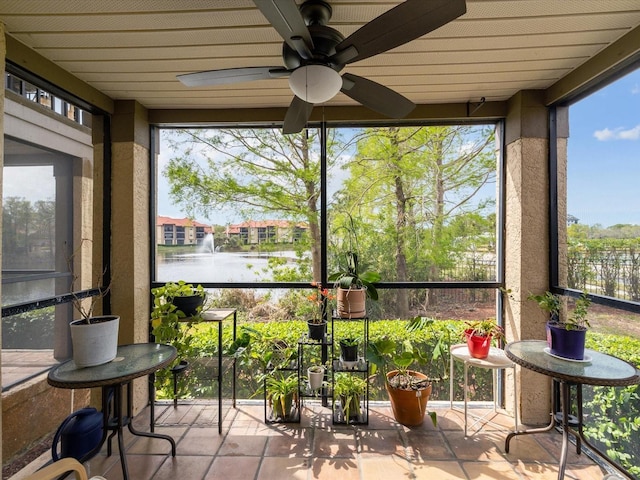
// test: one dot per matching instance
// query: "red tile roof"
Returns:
(181, 222)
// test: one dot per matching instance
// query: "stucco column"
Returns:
(130, 236)
(527, 249)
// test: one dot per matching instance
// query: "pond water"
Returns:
(217, 266)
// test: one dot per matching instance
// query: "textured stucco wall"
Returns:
(130, 230)
(527, 250)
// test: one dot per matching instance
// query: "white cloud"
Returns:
(635, 89)
(633, 134)
(618, 134)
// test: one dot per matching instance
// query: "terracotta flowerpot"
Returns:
(350, 303)
(478, 346)
(409, 406)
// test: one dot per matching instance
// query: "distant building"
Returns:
(180, 231)
(255, 232)
(571, 220)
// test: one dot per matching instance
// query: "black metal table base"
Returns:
(567, 422)
(115, 421)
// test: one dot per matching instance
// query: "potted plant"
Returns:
(348, 389)
(176, 308)
(94, 338)
(353, 286)
(315, 377)
(187, 298)
(479, 336)
(170, 311)
(408, 390)
(317, 324)
(282, 396)
(348, 351)
(566, 333)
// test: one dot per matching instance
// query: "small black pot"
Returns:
(349, 353)
(189, 304)
(317, 331)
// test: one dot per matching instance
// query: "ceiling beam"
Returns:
(610, 64)
(275, 116)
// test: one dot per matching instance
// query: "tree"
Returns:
(411, 183)
(256, 172)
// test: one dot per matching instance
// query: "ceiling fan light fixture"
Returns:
(315, 83)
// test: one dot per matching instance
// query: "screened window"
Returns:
(37, 228)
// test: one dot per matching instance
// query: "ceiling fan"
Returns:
(313, 54)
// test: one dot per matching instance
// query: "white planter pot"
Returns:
(94, 343)
(315, 379)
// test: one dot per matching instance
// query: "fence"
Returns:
(609, 267)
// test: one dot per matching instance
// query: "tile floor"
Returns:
(315, 449)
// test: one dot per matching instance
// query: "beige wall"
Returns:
(527, 249)
(130, 233)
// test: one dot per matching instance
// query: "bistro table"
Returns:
(132, 361)
(597, 369)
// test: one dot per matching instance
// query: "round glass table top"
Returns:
(132, 361)
(602, 369)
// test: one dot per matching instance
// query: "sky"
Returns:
(603, 171)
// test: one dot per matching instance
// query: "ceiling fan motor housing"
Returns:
(324, 39)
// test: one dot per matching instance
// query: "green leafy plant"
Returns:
(577, 319)
(348, 275)
(166, 317)
(574, 320)
(548, 302)
(282, 394)
(349, 389)
(485, 328)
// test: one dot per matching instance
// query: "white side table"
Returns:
(497, 360)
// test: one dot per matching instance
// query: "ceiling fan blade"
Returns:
(297, 115)
(285, 17)
(231, 75)
(376, 97)
(403, 23)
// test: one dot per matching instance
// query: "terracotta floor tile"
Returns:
(527, 449)
(438, 469)
(491, 471)
(282, 468)
(478, 447)
(183, 467)
(315, 449)
(297, 444)
(423, 447)
(334, 444)
(381, 442)
(232, 468)
(200, 441)
(334, 469)
(385, 467)
(250, 445)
